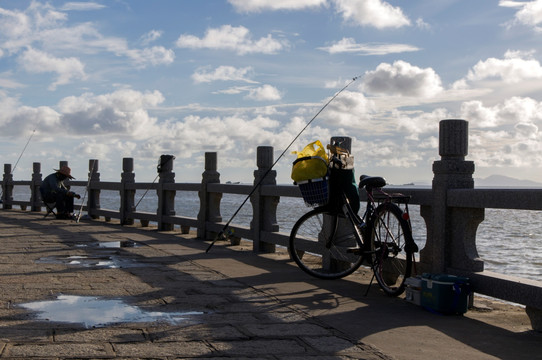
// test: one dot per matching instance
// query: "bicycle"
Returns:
(332, 241)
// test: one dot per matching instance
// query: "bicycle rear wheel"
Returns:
(324, 245)
(391, 258)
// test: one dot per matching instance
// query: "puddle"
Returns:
(109, 244)
(112, 262)
(96, 312)
(117, 244)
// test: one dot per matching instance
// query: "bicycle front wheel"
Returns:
(391, 258)
(324, 245)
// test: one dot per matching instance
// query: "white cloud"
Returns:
(234, 90)
(94, 149)
(237, 39)
(17, 119)
(526, 130)
(403, 79)
(514, 68)
(223, 73)
(40, 26)
(156, 55)
(421, 24)
(36, 61)
(19, 29)
(512, 4)
(264, 93)
(511, 111)
(273, 5)
(121, 113)
(7, 82)
(349, 45)
(238, 136)
(350, 110)
(376, 13)
(151, 36)
(529, 13)
(81, 6)
(414, 125)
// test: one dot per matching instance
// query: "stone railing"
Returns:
(452, 210)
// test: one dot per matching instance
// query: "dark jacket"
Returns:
(52, 185)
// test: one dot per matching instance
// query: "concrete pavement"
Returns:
(236, 304)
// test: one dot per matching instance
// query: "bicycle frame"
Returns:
(360, 223)
(333, 241)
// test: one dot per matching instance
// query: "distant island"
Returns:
(490, 181)
(501, 180)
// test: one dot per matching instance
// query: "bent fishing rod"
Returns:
(224, 233)
(17, 162)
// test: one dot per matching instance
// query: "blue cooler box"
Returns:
(446, 294)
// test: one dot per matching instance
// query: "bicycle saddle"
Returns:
(371, 181)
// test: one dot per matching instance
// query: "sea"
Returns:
(509, 241)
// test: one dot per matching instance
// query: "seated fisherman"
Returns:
(53, 190)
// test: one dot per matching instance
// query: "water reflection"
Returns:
(111, 262)
(117, 244)
(96, 312)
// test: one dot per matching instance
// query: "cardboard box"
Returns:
(445, 294)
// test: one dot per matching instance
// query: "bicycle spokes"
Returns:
(391, 263)
(324, 245)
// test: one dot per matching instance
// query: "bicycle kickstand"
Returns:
(369, 286)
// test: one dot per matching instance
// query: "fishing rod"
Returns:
(86, 190)
(16, 163)
(22, 152)
(224, 233)
(159, 170)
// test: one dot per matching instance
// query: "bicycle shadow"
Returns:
(391, 324)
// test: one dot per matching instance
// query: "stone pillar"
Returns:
(127, 192)
(344, 233)
(451, 241)
(35, 197)
(264, 208)
(7, 187)
(62, 163)
(209, 202)
(166, 197)
(93, 201)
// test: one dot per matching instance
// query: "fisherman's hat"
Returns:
(66, 171)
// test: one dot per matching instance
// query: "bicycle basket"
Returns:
(315, 192)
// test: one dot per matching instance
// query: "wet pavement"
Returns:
(98, 290)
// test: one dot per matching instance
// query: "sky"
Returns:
(137, 78)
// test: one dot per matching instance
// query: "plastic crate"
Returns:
(315, 192)
(445, 294)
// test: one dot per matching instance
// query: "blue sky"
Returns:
(113, 79)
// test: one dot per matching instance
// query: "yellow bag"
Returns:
(311, 163)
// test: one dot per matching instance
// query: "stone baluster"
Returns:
(451, 240)
(35, 197)
(127, 192)
(209, 202)
(264, 208)
(344, 229)
(93, 201)
(7, 187)
(166, 197)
